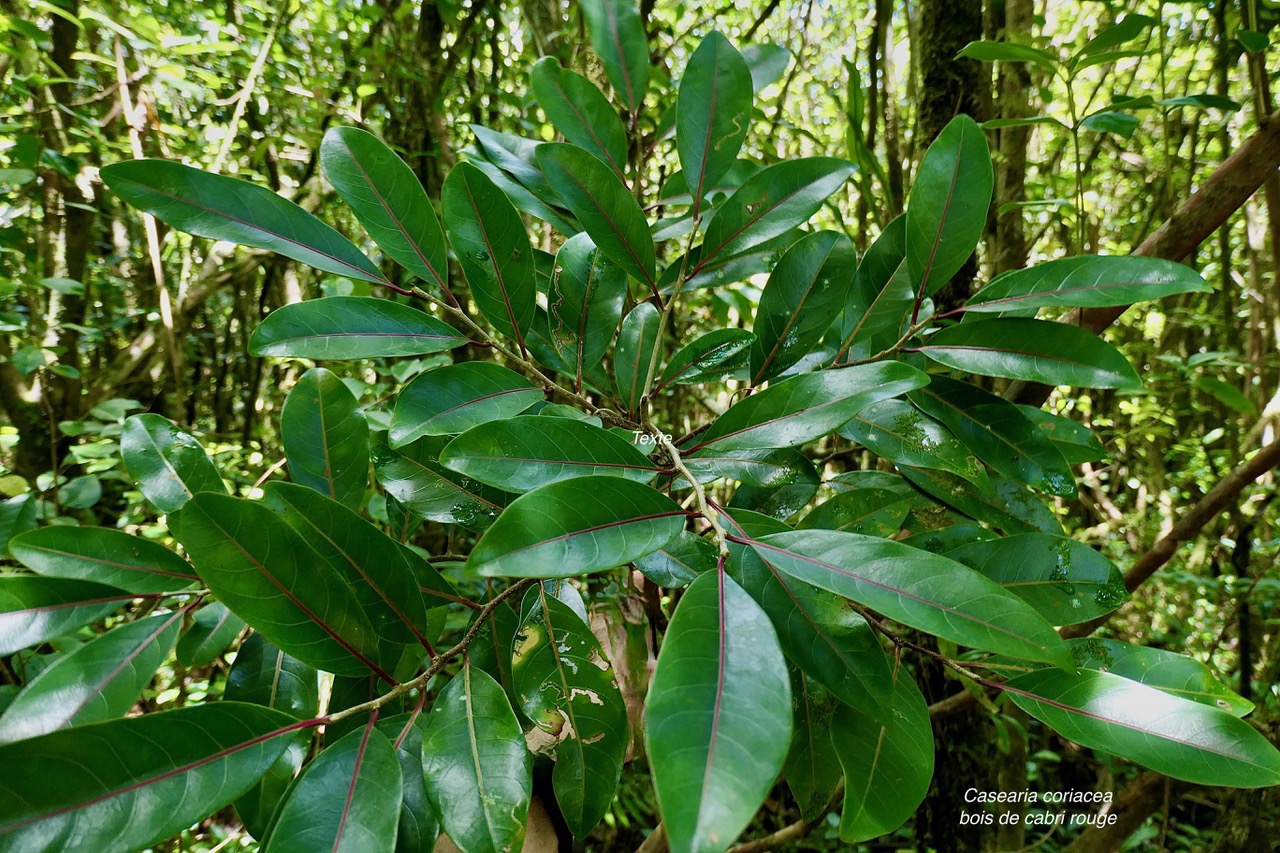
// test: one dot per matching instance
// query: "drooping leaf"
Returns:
(679, 562)
(419, 824)
(265, 573)
(523, 453)
(476, 766)
(212, 631)
(97, 681)
(326, 438)
(948, 206)
(348, 327)
(709, 358)
(1008, 506)
(617, 35)
(34, 609)
(1000, 51)
(345, 800)
(388, 199)
(888, 762)
(1162, 669)
(566, 687)
(456, 397)
(718, 715)
(802, 408)
(414, 476)
(493, 249)
(1127, 29)
(580, 112)
(881, 298)
(916, 588)
(576, 526)
(223, 208)
(805, 291)
(167, 462)
(812, 770)
(1174, 736)
(601, 202)
(1034, 350)
(123, 785)
(897, 431)
(713, 113)
(1088, 281)
(634, 353)
(103, 555)
(584, 303)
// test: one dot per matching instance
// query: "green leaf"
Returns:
(476, 766)
(634, 353)
(1128, 29)
(1075, 441)
(710, 358)
(1110, 121)
(565, 686)
(1205, 101)
(388, 199)
(1008, 506)
(1026, 121)
(493, 249)
(97, 681)
(457, 397)
(1162, 669)
(414, 476)
(347, 327)
(223, 208)
(1065, 581)
(100, 554)
(679, 562)
(17, 515)
(807, 288)
(916, 588)
(1033, 350)
(267, 575)
(88, 788)
(264, 675)
(1089, 281)
(768, 62)
(1253, 41)
(897, 431)
(617, 35)
(580, 112)
(718, 715)
(783, 498)
(871, 512)
(798, 410)
(948, 206)
(212, 631)
(812, 770)
(326, 438)
(35, 609)
(601, 202)
(419, 825)
(769, 203)
(344, 801)
(166, 462)
(1001, 51)
(713, 113)
(576, 526)
(523, 453)
(1173, 736)
(888, 762)
(584, 303)
(362, 558)
(881, 299)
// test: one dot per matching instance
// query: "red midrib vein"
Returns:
(399, 224)
(101, 562)
(355, 777)
(718, 707)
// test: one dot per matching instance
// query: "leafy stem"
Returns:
(700, 497)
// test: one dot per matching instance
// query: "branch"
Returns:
(792, 831)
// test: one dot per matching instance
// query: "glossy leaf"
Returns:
(881, 298)
(344, 801)
(103, 555)
(802, 408)
(998, 51)
(326, 438)
(566, 687)
(634, 354)
(493, 249)
(456, 397)
(414, 476)
(1075, 441)
(888, 762)
(1008, 506)
(348, 327)
(710, 358)
(601, 202)
(916, 588)
(617, 35)
(718, 715)
(871, 512)
(576, 526)
(1033, 350)
(805, 291)
(580, 112)
(948, 206)
(713, 113)
(788, 495)
(265, 573)
(34, 609)
(166, 462)
(388, 199)
(529, 451)
(1177, 737)
(769, 203)
(768, 62)
(584, 304)
(212, 631)
(812, 770)
(97, 681)
(265, 675)
(476, 766)
(1162, 669)
(897, 431)
(419, 826)
(17, 515)
(1064, 580)
(679, 562)
(123, 785)
(223, 208)
(1088, 281)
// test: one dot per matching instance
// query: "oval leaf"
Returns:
(1090, 281)
(34, 609)
(457, 397)
(712, 357)
(166, 462)
(897, 431)
(580, 112)
(326, 438)
(414, 476)
(634, 353)
(584, 303)
(347, 327)
(103, 555)
(713, 112)
(1159, 668)
(617, 35)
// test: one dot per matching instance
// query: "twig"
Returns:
(704, 509)
(793, 831)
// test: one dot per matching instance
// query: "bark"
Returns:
(1142, 799)
(1009, 249)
